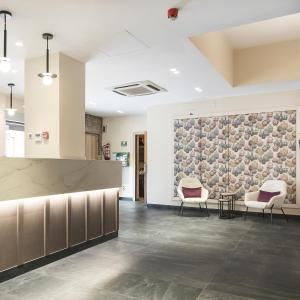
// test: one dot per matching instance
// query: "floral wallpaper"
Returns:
(237, 153)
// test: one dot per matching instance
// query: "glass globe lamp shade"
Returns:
(11, 111)
(47, 78)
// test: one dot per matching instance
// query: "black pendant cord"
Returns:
(11, 85)
(11, 97)
(5, 37)
(47, 56)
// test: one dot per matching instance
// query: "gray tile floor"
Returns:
(159, 255)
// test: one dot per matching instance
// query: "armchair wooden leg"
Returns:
(284, 214)
(246, 211)
(180, 208)
(271, 215)
(200, 207)
(263, 213)
(206, 209)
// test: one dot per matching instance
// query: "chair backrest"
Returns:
(274, 186)
(189, 182)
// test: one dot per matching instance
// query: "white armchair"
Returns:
(189, 182)
(251, 199)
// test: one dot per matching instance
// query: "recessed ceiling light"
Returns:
(19, 44)
(120, 111)
(14, 71)
(198, 89)
(175, 71)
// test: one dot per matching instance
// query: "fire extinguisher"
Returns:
(106, 151)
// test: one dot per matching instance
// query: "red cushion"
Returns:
(266, 196)
(191, 192)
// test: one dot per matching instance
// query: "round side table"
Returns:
(229, 200)
(223, 212)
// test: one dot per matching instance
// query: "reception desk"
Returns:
(50, 205)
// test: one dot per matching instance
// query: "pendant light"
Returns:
(47, 77)
(4, 60)
(11, 111)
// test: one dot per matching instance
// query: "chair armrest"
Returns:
(252, 196)
(180, 194)
(277, 201)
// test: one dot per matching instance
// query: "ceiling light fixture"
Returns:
(47, 77)
(175, 71)
(198, 89)
(4, 60)
(19, 44)
(120, 111)
(11, 111)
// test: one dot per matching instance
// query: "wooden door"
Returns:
(145, 167)
(91, 146)
(141, 167)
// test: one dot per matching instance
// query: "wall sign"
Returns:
(123, 157)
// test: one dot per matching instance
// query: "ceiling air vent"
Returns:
(140, 88)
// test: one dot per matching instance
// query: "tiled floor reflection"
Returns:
(159, 255)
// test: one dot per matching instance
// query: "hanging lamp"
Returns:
(47, 77)
(11, 111)
(4, 60)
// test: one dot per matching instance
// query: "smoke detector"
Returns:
(173, 13)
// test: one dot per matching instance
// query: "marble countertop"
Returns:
(26, 178)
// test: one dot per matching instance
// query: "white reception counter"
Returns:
(50, 205)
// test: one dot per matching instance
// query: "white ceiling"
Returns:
(124, 41)
(264, 32)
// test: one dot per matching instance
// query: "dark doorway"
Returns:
(140, 167)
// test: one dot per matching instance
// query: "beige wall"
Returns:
(72, 108)
(160, 135)
(123, 129)
(268, 63)
(41, 108)
(254, 65)
(216, 49)
(58, 109)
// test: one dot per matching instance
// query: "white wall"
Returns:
(160, 134)
(4, 103)
(2, 124)
(123, 129)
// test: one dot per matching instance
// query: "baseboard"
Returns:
(40, 262)
(126, 198)
(215, 210)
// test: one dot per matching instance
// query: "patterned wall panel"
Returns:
(186, 149)
(237, 153)
(240, 157)
(214, 154)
